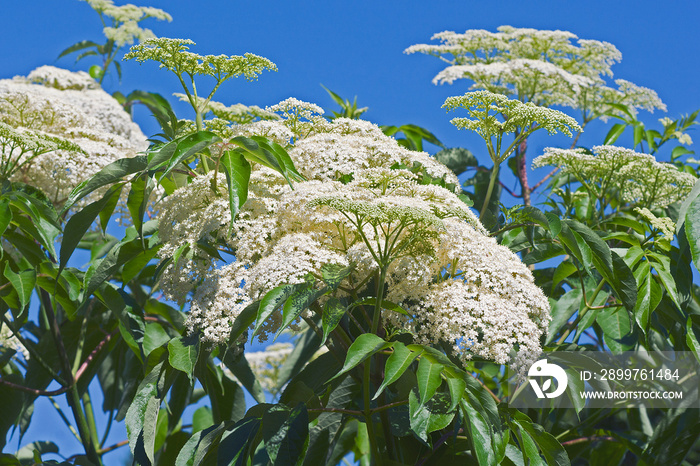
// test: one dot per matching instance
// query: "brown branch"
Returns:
(34, 391)
(93, 354)
(112, 447)
(91, 357)
(335, 410)
(548, 176)
(592, 438)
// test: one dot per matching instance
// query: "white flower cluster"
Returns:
(364, 205)
(125, 20)
(539, 66)
(640, 179)
(484, 107)
(71, 106)
(665, 225)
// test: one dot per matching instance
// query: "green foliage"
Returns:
(357, 380)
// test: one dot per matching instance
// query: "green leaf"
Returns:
(563, 270)
(80, 222)
(253, 151)
(685, 205)
(578, 237)
(429, 378)
(183, 353)
(272, 301)
(22, 282)
(154, 337)
(237, 170)
(362, 348)
(196, 449)
(235, 444)
(457, 159)
(615, 322)
(662, 265)
(691, 337)
(141, 423)
(551, 449)
(188, 146)
(428, 417)
(286, 434)
(333, 312)
(614, 133)
(692, 230)
(334, 274)
(5, 216)
(83, 44)
(299, 301)
(112, 173)
(160, 155)
(562, 310)
(456, 385)
(400, 360)
(282, 156)
(649, 295)
(554, 223)
(480, 434)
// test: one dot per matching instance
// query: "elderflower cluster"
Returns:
(539, 66)
(368, 204)
(664, 225)
(88, 127)
(125, 20)
(173, 54)
(484, 107)
(640, 179)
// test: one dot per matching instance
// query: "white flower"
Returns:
(73, 107)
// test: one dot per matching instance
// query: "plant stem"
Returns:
(489, 191)
(376, 318)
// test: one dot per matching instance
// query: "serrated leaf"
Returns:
(297, 303)
(112, 173)
(614, 133)
(5, 216)
(480, 434)
(237, 170)
(23, 283)
(428, 417)
(362, 348)
(183, 353)
(286, 434)
(429, 379)
(333, 312)
(615, 322)
(141, 421)
(334, 274)
(554, 223)
(692, 230)
(188, 146)
(236, 442)
(396, 364)
(272, 301)
(649, 295)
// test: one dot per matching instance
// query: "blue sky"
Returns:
(356, 48)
